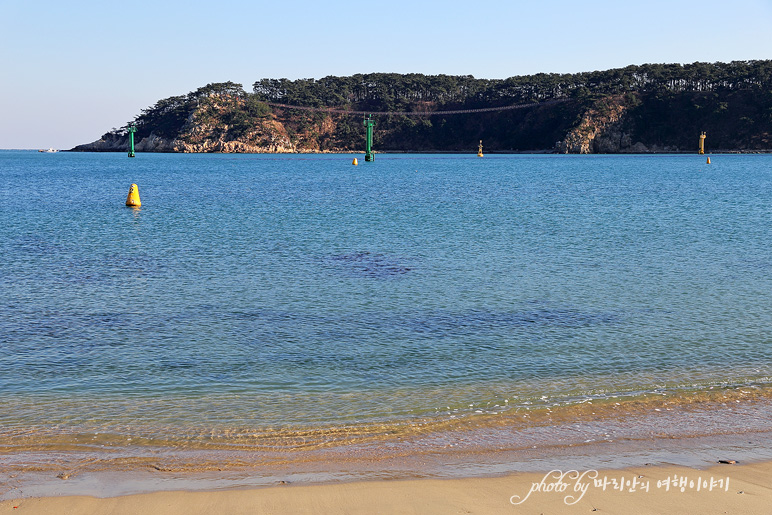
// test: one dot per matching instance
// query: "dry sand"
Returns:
(749, 491)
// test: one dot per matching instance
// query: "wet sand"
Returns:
(475, 465)
(726, 488)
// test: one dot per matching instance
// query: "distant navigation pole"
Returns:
(369, 123)
(702, 143)
(132, 130)
(479, 150)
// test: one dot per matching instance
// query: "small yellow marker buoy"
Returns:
(133, 199)
(479, 150)
(355, 162)
(708, 160)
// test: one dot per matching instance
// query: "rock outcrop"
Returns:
(208, 135)
(601, 130)
(110, 142)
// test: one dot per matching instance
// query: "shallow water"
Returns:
(256, 295)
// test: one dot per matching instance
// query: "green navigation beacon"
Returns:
(132, 130)
(369, 123)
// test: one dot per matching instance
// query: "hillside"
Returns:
(647, 108)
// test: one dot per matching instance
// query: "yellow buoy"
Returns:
(708, 160)
(133, 199)
(355, 162)
(479, 150)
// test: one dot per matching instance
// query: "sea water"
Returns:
(256, 296)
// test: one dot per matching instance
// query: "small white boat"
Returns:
(49, 150)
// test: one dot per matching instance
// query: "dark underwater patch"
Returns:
(371, 265)
(481, 321)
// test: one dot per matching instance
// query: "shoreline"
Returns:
(727, 488)
(691, 434)
(453, 152)
(424, 152)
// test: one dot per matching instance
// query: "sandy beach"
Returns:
(725, 488)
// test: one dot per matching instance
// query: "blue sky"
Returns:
(70, 71)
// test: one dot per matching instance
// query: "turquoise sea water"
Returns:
(260, 293)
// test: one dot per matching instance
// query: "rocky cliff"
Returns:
(207, 129)
(606, 128)
(599, 130)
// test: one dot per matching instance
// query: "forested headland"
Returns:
(646, 108)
